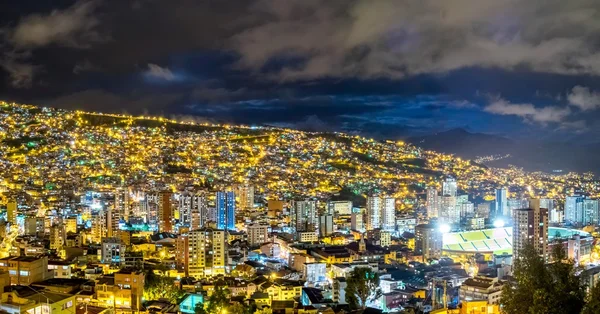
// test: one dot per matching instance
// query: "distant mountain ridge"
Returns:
(531, 155)
(463, 143)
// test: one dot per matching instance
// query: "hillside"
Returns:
(45, 148)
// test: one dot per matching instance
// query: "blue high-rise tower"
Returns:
(225, 206)
(501, 203)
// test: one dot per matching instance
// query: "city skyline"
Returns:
(299, 157)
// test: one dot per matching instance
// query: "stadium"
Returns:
(498, 241)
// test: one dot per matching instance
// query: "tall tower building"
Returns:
(122, 205)
(304, 216)
(449, 187)
(112, 222)
(381, 213)
(165, 211)
(590, 212)
(225, 208)
(449, 211)
(501, 203)
(11, 213)
(574, 209)
(207, 252)
(99, 226)
(244, 194)
(428, 241)
(373, 212)
(356, 221)
(388, 213)
(57, 236)
(193, 209)
(530, 226)
(433, 202)
(325, 225)
(516, 203)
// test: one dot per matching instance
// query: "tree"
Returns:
(160, 287)
(541, 288)
(362, 286)
(199, 308)
(593, 302)
(218, 300)
(568, 291)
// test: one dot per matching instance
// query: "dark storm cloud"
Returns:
(400, 66)
(394, 38)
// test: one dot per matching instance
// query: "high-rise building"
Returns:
(381, 213)
(304, 216)
(258, 233)
(112, 222)
(325, 225)
(449, 187)
(11, 212)
(225, 210)
(428, 241)
(373, 212)
(207, 252)
(590, 212)
(182, 253)
(516, 203)
(113, 251)
(58, 237)
(356, 221)
(449, 211)
(557, 216)
(99, 226)
(342, 208)
(530, 226)
(574, 209)
(433, 202)
(388, 213)
(71, 225)
(165, 211)
(466, 209)
(193, 209)
(501, 203)
(244, 194)
(122, 205)
(34, 225)
(483, 210)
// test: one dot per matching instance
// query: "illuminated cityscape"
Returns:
(299, 157)
(107, 200)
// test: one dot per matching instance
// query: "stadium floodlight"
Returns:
(444, 228)
(498, 223)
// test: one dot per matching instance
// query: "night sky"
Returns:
(520, 69)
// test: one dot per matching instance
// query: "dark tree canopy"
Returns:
(541, 288)
(362, 287)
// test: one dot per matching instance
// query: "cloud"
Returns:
(528, 111)
(385, 38)
(156, 71)
(74, 27)
(584, 99)
(579, 126)
(20, 71)
(85, 66)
